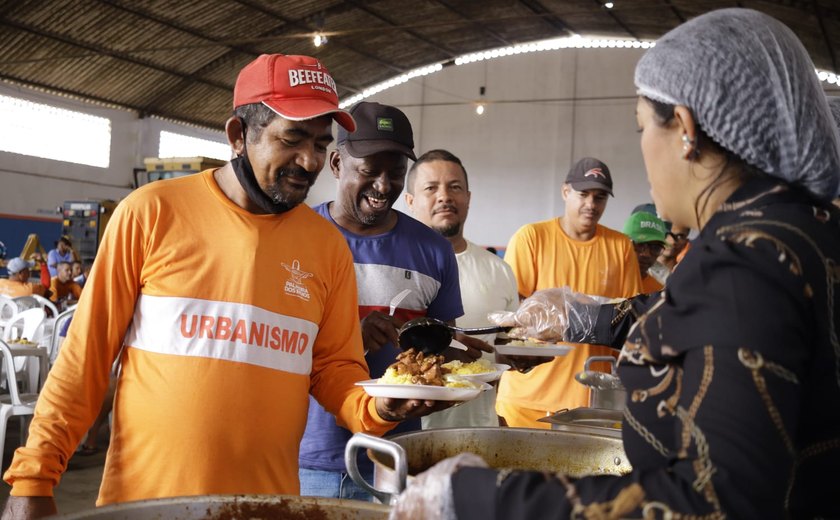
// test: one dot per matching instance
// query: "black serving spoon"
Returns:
(432, 336)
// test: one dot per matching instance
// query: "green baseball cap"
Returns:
(644, 227)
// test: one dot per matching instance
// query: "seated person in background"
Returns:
(76, 271)
(64, 290)
(18, 283)
(63, 252)
(647, 232)
(80, 272)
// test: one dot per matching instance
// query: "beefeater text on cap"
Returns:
(314, 77)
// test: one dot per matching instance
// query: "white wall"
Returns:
(34, 187)
(545, 111)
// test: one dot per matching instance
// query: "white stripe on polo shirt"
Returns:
(222, 330)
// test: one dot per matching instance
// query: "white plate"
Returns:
(434, 393)
(534, 349)
(486, 377)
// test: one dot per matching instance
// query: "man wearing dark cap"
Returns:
(392, 252)
(228, 302)
(574, 251)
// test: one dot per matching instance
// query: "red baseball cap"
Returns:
(296, 87)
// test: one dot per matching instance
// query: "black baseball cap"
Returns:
(379, 128)
(590, 174)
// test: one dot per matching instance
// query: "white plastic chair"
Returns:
(52, 313)
(28, 324)
(13, 403)
(56, 339)
(26, 302)
(46, 304)
(8, 308)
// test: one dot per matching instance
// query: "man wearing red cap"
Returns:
(219, 351)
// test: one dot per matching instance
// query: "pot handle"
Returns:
(608, 359)
(397, 453)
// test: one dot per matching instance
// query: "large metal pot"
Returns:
(397, 459)
(230, 507)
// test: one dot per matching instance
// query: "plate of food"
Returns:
(416, 375)
(532, 347)
(23, 342)
(466, 390)
(480, 370)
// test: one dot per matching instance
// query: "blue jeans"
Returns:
(332, 484)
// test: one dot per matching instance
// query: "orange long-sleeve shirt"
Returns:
(230, 319)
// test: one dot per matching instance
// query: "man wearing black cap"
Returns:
(575, 251)
(392, 252)
(228, 303)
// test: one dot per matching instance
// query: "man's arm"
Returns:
(53, 290)
(45, 272)
(519, 255)
(52, 260)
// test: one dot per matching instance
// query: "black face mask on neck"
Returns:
(245, 174)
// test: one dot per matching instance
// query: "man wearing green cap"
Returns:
(647, 232)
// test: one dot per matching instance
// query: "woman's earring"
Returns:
(688, 147)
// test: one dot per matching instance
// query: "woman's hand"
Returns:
(430, 495)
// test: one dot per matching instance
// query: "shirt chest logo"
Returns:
(295, 285)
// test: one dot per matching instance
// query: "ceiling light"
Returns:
(319, 40)
(479, 108)
(609, 5)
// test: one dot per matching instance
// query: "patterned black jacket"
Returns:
(733, 378)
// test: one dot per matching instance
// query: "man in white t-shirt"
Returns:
(437, 193)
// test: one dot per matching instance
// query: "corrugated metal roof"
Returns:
(179, 58)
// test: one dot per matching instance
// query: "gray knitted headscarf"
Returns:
(834, 105)
(754, 91)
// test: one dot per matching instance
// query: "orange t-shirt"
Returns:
(60, 290)
(543, 256)
(229, 321)
(651, 285)
(14, 289)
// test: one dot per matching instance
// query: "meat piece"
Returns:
(424, 370)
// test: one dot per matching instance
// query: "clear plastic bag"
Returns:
(549, 314)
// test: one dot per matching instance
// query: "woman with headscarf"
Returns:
(733, 372)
